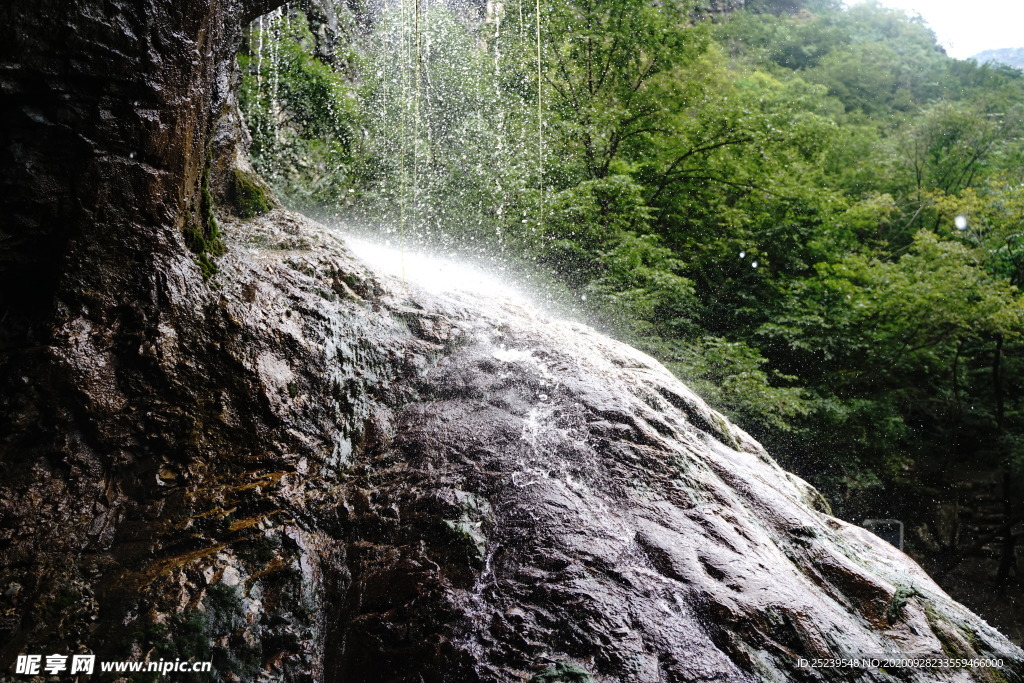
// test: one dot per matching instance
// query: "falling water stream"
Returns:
(455, 131)
(463, 150)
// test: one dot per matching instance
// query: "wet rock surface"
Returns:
(308, 470)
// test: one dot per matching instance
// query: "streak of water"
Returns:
(434, 273)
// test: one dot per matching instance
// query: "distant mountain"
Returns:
(1011, 56)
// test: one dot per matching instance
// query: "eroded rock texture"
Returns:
(334, 475)
(310, 472)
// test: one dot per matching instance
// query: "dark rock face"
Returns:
(306, 471)
(524, 492)
(107, 115)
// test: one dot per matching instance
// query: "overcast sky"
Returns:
(967, 28)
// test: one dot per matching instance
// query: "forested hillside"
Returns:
(811, 214)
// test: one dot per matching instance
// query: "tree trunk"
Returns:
(1007, 561)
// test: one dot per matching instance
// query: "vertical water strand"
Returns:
(499, 10)
(427, 199)
(403, 183)
(417, 123)
(522, 133)
(434, 34)
(275, 49)
(259, 77)
(540, 126)
(283, 35)
(479, 105)
(521, 121)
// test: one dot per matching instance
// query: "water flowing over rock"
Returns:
(521, 491)
(307, 470)
(393, 482)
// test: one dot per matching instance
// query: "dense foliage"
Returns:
(810, 213)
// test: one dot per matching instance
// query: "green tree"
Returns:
(886, 342)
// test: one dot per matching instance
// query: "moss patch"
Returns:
(202, 236)
(468, 537)
(251, 198)
(563, 673)
(214, 631)
(899, 601)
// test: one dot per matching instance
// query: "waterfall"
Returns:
(453, 147)
(540, 121)
(275, 51)
(453, 121)
(268, 31)
(259, 63)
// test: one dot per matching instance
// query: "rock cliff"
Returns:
(307, 470)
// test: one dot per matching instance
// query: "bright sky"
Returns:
(967, 28)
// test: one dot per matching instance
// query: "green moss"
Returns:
(60, 605)
(264, 549)
(251, 198)
(224, 608)
(185, 637)
(182, 636)
(226, 616)
(817, 501)
(191, 636)
(563, 673)
(466, 535)
(942, 628)
(203, 238)
(722, 428)
(352, 281)
(899, 601)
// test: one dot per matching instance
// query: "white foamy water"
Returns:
(435, 274)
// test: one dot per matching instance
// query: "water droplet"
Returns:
(583, 297)
(543, 397)
(753, 264)
(743, 254)
(960, 222)
(131, 155)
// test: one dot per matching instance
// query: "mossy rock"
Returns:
(202, 232)
(563, 672)
(251, 196)
(466, 535)
(899, 602)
